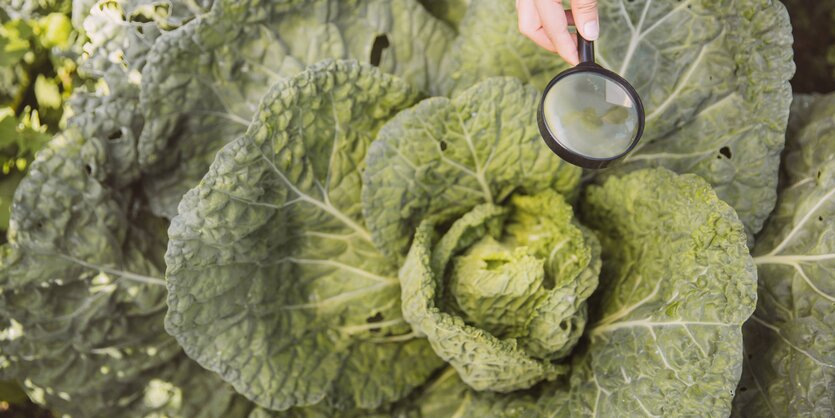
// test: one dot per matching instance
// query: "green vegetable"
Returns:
(83, 296)
(86, 319)
(790, 339)
(665, 336)
(442, 157)
(347, 210)
(517, 286)
(36, 77)
(274, 233)
(716, 102)
(489, 44)
(716, 96)
(244, 48)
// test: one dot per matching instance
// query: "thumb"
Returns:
(585, 18)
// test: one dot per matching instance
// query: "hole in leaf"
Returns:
(726, 152)
(381, 42)
(378, 317)
(495, 264)
(443, 145)
(564, 325)
(88, 168)
(820, 218)
(114, 135)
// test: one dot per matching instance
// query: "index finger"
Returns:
(555, 23)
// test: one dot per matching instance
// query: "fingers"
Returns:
(585, 16)
(530, 26)
(554, 21)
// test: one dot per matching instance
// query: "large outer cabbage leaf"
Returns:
(448, 396)
(121, 33)
(274, 282)
(713, 77)
(83, 297)
(790, 339)
(204, 81)
(450, 11)
(676, 286)
(503, 291)
(489, 44)
(442, 157)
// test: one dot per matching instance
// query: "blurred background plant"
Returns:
(38, 53)
(37, 73)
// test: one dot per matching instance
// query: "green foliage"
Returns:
(721, 110)
(790, 339)
(288, 242)
(36, 77)
(244, 48)
(315, 208)
(502, 293)
(442, 157)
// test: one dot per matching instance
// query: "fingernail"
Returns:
(591, 30)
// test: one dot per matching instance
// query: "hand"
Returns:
(546, 23)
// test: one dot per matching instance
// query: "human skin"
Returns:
(546, 23)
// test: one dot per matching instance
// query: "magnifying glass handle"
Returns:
(586, 49)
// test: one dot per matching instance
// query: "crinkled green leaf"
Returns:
(448, 396)
(790, 339)
(450, 11)
(503, 291)
(676, 286)
(320, 411)
(274, 282)
(83, 297)
(489, 44)
(122, 32)
(165, 13)
(443, 157)
(82, 317)
(178, 389)
(116, 118)
(713, 78)
(204, 81)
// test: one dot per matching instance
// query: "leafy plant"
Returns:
(37, 74)
(790, 340)
(346, 210)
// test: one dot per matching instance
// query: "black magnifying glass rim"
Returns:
(572, 156)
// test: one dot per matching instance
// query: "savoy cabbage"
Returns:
(790, 339)
(322, 208)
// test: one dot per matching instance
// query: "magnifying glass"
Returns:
(588, 115)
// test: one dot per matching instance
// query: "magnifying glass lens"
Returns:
(591, 115)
